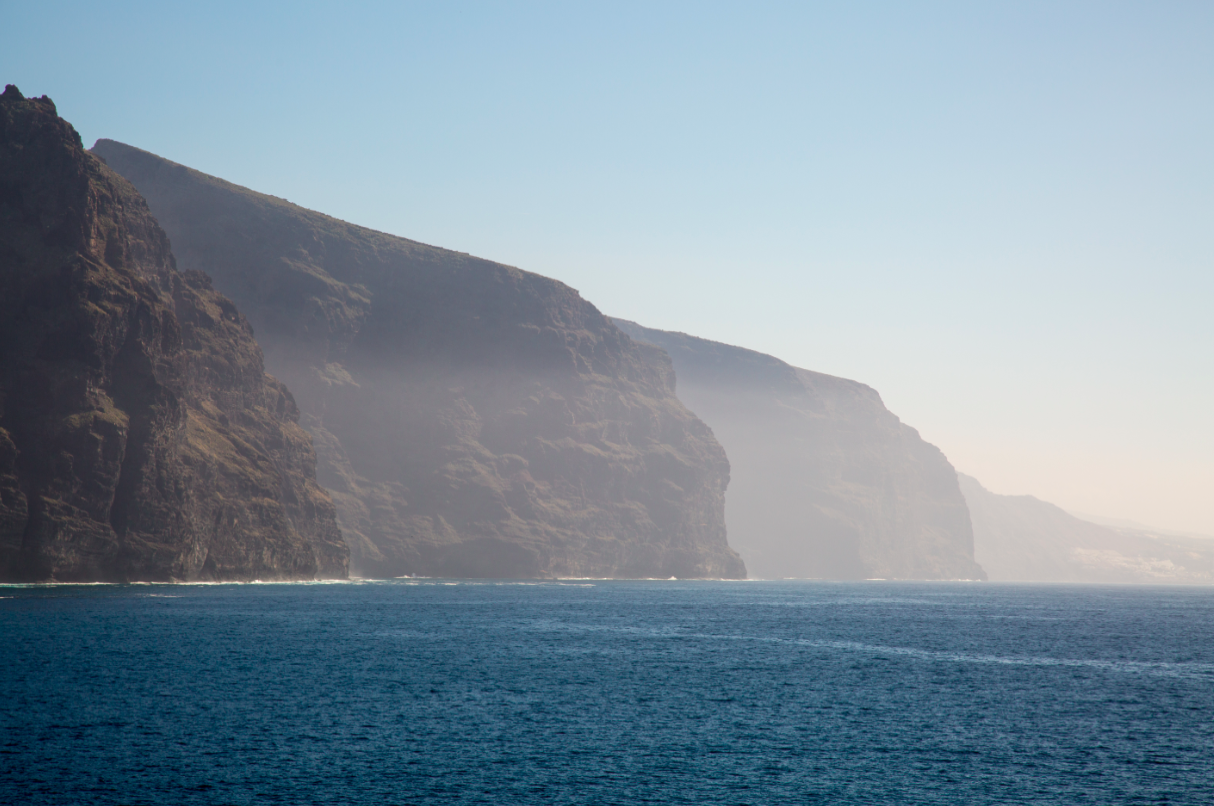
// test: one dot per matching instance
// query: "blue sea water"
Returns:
(606, 692)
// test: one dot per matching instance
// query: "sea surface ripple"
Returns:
(601, 692)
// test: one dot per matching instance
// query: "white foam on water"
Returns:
(1190, 671)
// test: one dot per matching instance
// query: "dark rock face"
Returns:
(471, 419)
(1019, 538)
(826, 482)
(140, 438)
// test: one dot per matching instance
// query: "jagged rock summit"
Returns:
(140, 438)
(471, 419)
(826, 482)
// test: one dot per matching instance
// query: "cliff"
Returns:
(140, 438)
(1019, 538)
(826, 482)
(471, 419)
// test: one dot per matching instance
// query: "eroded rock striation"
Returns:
(471, 419)
(826, 482)
(140, 437)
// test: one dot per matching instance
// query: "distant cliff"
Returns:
(140, 438)
(471, 419)
(1019, 538)
(826, 482)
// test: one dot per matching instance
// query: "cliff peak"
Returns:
(140, 437)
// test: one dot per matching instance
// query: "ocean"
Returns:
(606, 692)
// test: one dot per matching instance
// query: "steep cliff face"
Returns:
(140, 438)
(1019, 538)
(826, 482)
(471, 419)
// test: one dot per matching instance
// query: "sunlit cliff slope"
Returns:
(471, 419)
(826, 482)
(140, 438)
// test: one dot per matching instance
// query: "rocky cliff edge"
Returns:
(140, 437)
(471, 419)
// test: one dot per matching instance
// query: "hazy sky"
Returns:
(1001, 216)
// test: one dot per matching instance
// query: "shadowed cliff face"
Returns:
(471, 419)
(1019, 538)
(826, 483)
(140, 438)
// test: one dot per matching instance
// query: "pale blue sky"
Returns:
(1001, 216)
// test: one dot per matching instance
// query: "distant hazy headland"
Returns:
(825, 481)
(1019, 538)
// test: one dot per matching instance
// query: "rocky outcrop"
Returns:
(471, 419)
(140, 438)
(1019, 538)
(826, 482)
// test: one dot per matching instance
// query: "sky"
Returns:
(998, 215)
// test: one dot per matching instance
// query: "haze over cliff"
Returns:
(1019, 538)
(471, 419)
(140, 438)
(825, 482)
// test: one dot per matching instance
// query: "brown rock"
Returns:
(140, 438)
(471, 419)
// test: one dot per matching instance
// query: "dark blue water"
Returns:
(606, 692)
